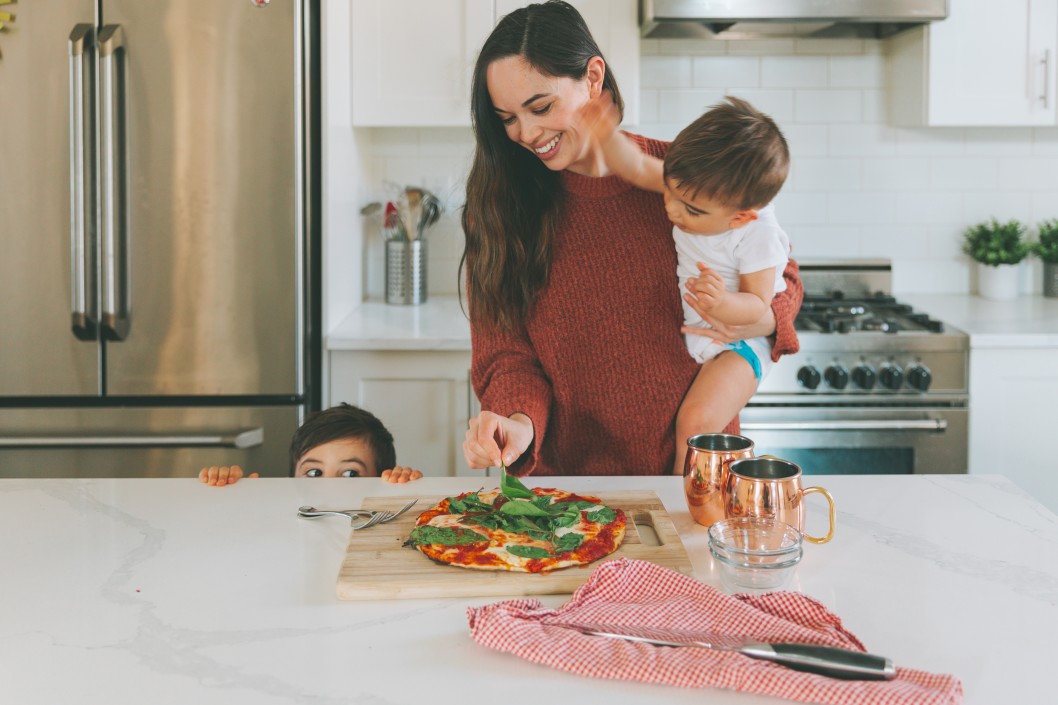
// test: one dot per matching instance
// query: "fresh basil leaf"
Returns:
(524, 509)
(443, 535)
(568, 519)
(563, 507)
(543, 501)
(456, 506)
(603, 515)
(512, 487)
(568, 542)
(529, 551)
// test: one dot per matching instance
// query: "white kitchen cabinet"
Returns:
(987, 64)
(412, 60)
(423, 397)
(1013, 400)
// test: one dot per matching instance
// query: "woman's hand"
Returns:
(399, 474)
(493, 440)
(220, 476)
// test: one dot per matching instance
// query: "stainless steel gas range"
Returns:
(877, 387)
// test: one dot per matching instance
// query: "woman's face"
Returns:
(539, 112)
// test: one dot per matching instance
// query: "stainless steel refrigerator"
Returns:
(159, 233)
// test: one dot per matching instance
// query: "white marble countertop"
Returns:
(1025, 322)
(168, 591)
(437, 324)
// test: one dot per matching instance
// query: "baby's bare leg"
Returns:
(722, 387)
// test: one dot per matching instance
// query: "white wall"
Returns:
(858, 188)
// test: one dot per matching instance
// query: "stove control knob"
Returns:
(919, 377)
(891, 376)
(808, 376)
(864, 376)
(837, 376)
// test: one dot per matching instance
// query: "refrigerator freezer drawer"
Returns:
(144, 442)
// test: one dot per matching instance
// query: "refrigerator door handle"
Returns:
(84, 305)
(117, 306)
(248, 438)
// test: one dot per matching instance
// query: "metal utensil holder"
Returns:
(405, 272)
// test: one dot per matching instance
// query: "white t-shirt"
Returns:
(755, 246)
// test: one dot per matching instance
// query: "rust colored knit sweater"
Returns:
(600, 366)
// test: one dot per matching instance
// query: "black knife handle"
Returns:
(825, 660)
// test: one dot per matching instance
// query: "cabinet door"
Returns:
(1012, 393)
(423, 398)
(412, 60)
(992, 64)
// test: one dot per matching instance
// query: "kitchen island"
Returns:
(168, 591)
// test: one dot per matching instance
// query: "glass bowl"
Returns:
(754, 554)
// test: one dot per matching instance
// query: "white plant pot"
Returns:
(999, 283)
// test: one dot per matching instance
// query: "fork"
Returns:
(373, 517)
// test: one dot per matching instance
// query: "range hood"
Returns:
(762, 19)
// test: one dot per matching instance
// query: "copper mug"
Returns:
(771, 488)
(705, 469)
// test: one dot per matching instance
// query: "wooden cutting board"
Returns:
(376, 566)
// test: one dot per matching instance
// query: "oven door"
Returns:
(861, 440)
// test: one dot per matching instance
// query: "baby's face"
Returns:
(347, 457)
(700, 215)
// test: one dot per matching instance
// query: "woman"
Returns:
(577, 353)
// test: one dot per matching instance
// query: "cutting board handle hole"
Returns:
(644, 523)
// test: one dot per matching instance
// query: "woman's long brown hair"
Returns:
(513, 200)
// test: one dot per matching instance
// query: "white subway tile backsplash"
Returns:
(828, 47)
(690, 47)
(925, 207)
(979, 206)
(762, 47)
(793, 71)
(867, 71)
(998, 141)
(873, 207)
(930, 141)
(1044, 207)
(834, 106)
(648, 107)
(1045, 141)
(896, 173)
(805, 140)
(801, 208)
(862, 140)
(931, 276)
(961, 173)
(685, 106)
(1029, 173)
(665, 72)
(725, 71)
(824, 241)
(778, 104)
(893, 241)
(875, 105)
(823, 174)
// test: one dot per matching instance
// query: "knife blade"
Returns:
(824, 660)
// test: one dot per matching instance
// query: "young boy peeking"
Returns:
(343, 441)
(718, 179)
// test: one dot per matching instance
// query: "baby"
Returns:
(718, 179)
(343, 441)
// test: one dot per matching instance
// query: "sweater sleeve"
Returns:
(785, 306)
(507, 377)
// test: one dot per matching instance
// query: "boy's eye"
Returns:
(314, 472)
(350, 473)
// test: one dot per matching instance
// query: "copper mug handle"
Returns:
(833, 515)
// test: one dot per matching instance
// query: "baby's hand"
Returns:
(399, 475)
(600, 117)
(706, 290)
(220, 476)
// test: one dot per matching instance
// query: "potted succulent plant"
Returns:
(998, 249)
(1046, 248)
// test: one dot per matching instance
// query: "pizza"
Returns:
(518, 529)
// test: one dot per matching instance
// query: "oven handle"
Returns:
(864, 425)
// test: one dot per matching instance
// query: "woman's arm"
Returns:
(600, 118)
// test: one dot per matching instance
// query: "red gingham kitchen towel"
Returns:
(640, 593)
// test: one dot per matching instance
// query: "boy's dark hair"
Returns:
(341, 422)
(734, 154)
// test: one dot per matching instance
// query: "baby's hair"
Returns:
(733, 154)
(339, 423)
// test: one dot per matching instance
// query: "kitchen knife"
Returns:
(824, 660)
